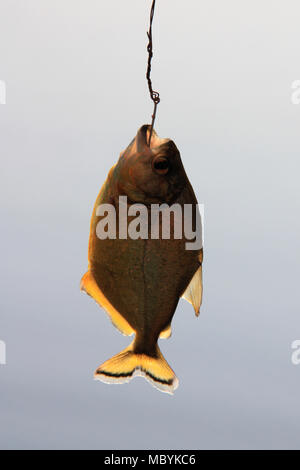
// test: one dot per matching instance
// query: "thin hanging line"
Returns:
(154, 95)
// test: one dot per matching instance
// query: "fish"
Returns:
(138, 281)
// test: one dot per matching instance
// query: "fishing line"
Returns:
(154, 95)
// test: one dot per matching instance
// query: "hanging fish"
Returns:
(140, 281)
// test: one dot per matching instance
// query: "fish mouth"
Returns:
(161, 165)
(142, 138)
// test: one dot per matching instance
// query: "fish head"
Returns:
(150, 173)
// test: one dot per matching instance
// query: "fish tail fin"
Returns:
(127, 364)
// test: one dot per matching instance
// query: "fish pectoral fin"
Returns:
(89, 285)
(166, 333)
(193, 292)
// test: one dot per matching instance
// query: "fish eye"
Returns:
(161, 165)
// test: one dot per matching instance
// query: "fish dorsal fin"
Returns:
(193, 292)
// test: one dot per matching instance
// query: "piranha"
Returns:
(139, 280)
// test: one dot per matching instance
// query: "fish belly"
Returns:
(143, 279)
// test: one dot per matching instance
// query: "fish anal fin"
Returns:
(193, 292)
(166, 333)
(90, 286)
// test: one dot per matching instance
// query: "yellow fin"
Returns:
(166, 333)
(122, 367)
(90, 286)
(193, 292)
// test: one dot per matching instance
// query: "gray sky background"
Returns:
(76, 95)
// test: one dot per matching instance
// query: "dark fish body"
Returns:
(140, 281)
